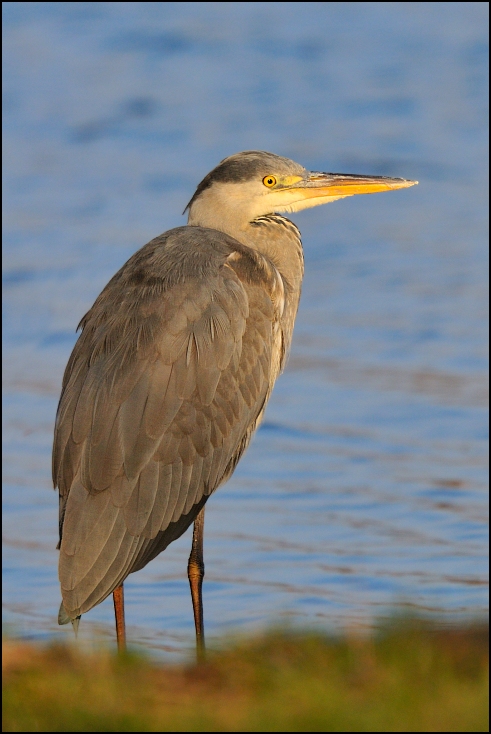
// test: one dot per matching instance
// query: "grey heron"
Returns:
(172, 372)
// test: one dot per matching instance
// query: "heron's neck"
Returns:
(279, 240)
(272, 235)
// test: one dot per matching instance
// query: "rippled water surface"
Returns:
(365, 488)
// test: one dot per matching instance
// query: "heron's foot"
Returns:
(118, 597)
(196, 573)
(64, 618)
(75, 623)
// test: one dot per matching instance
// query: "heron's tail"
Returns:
(64, 618)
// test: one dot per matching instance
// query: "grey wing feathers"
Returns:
(160, 397)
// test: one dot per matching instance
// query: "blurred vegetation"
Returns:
(412, 676)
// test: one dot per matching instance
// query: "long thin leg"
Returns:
(196, 572)
(118, 598)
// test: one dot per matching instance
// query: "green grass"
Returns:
(411, 677)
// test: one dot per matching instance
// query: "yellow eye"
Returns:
(269, 181)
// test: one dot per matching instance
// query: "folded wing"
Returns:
(160, 398)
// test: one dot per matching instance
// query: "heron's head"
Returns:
(254, 183)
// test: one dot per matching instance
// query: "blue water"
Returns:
(366, 487)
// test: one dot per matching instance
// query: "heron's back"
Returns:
(160, 397)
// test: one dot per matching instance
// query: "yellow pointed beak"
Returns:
(346, 184)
